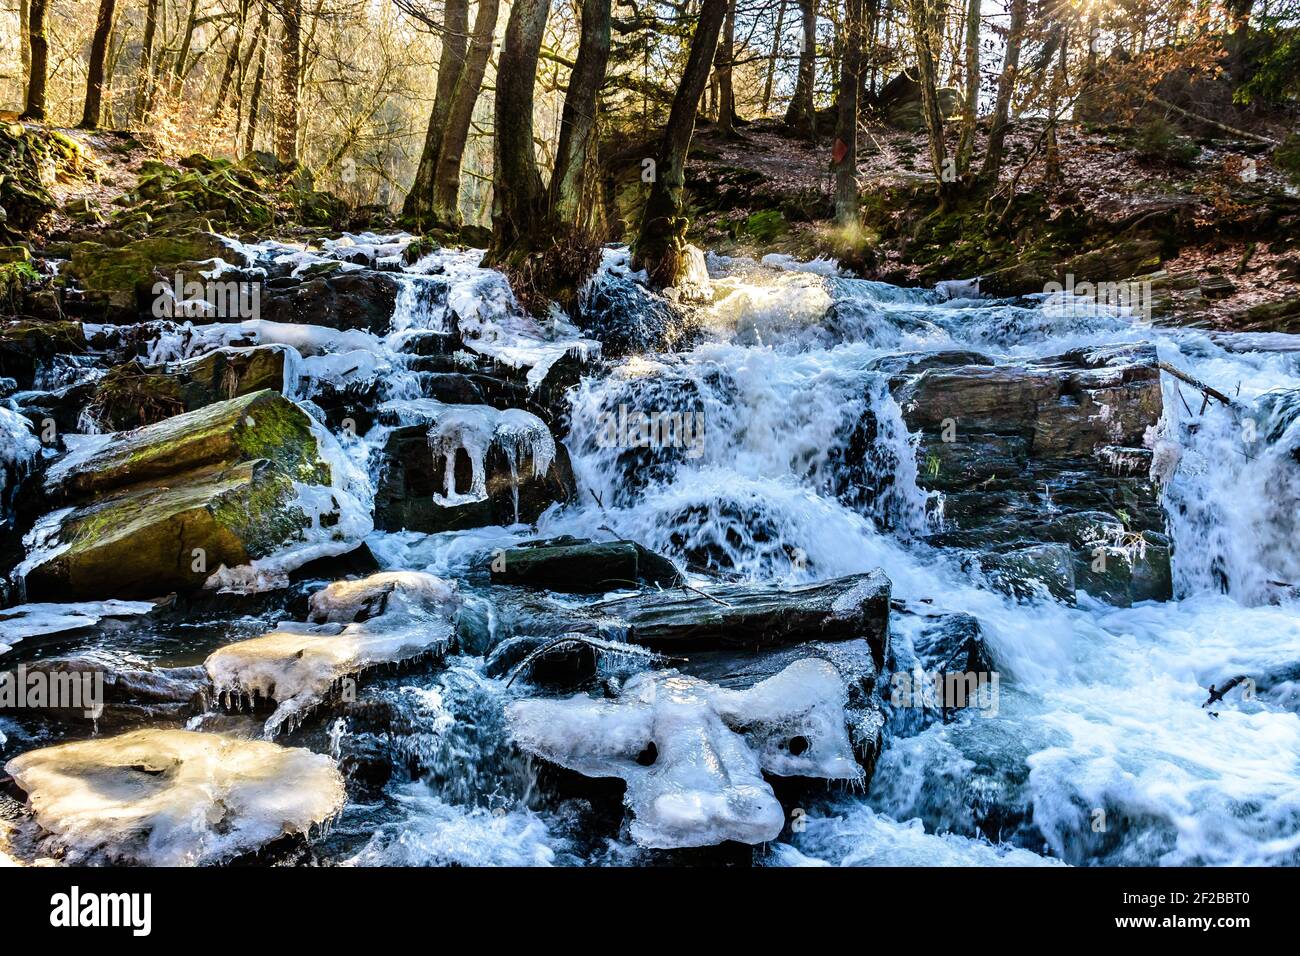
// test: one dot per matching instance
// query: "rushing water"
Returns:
(1099, 752)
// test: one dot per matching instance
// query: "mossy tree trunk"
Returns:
(800, 115)
(40, 53)
(1006, 86)
(286, 127)
(660, 246)
(95, 68)
(966, 145)
(451, 60)
(927, 30)
(725, 59)
(845, 156)
(464, 97)
(517, 191)
(570, 197)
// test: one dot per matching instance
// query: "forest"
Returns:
(664, 433)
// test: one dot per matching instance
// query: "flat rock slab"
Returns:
(578, 566)
(758, 616)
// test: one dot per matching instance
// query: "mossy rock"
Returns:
(148, 540)
(133, 395)
(263, 425)
(123, 276)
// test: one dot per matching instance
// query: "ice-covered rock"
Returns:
(461, 466)
(388, 618)
(693, 754)
(174, 797)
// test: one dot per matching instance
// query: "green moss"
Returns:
(280, 432)
(1286, 157)
(260, 513)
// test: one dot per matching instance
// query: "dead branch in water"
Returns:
(1206, 390)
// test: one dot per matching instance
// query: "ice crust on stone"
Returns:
(405, 614)
(174, 797)
(34, 620)
(693, 754)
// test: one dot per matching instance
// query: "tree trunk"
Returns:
(232, 57)
(772, 58)
(517, 190)
(420, 200)
(464, 97)
(571, 194)
(966, 145)
(845, 157)
(660, 246)
(95, 69)
(144, 73)
(259, 78)
(725, 57)
(1006, 86)
(925, 30)
(800, 113)
(35, 108)
(286, 127)
(183, 55)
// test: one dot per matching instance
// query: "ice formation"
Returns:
(693, 754)
(174, 797)
(298, 665)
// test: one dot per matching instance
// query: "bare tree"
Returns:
(95, 69)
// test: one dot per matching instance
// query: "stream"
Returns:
(1098, 751)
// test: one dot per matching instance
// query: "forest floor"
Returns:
(1206, 210)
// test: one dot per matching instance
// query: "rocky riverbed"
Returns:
(810, 570)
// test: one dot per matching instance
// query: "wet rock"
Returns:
(28, 346)
(626, 318)
(132, 395)
(112, 694)
(348, 300)
(1116, 262)
(583, 566)
(164, 507)
(760, 616)
(694, 755)
(174, 797)
(465, 466)
(1027, 572)
(1050, 452)
(385, 619)
(119, 281)
(557, 664)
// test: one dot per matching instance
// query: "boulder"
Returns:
(759, 616)
(346, 300)
(133, 394)
(28, 346)
(163, 507)
(583, 566)
(120, 279)
(1049, 452)
(464, 466)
